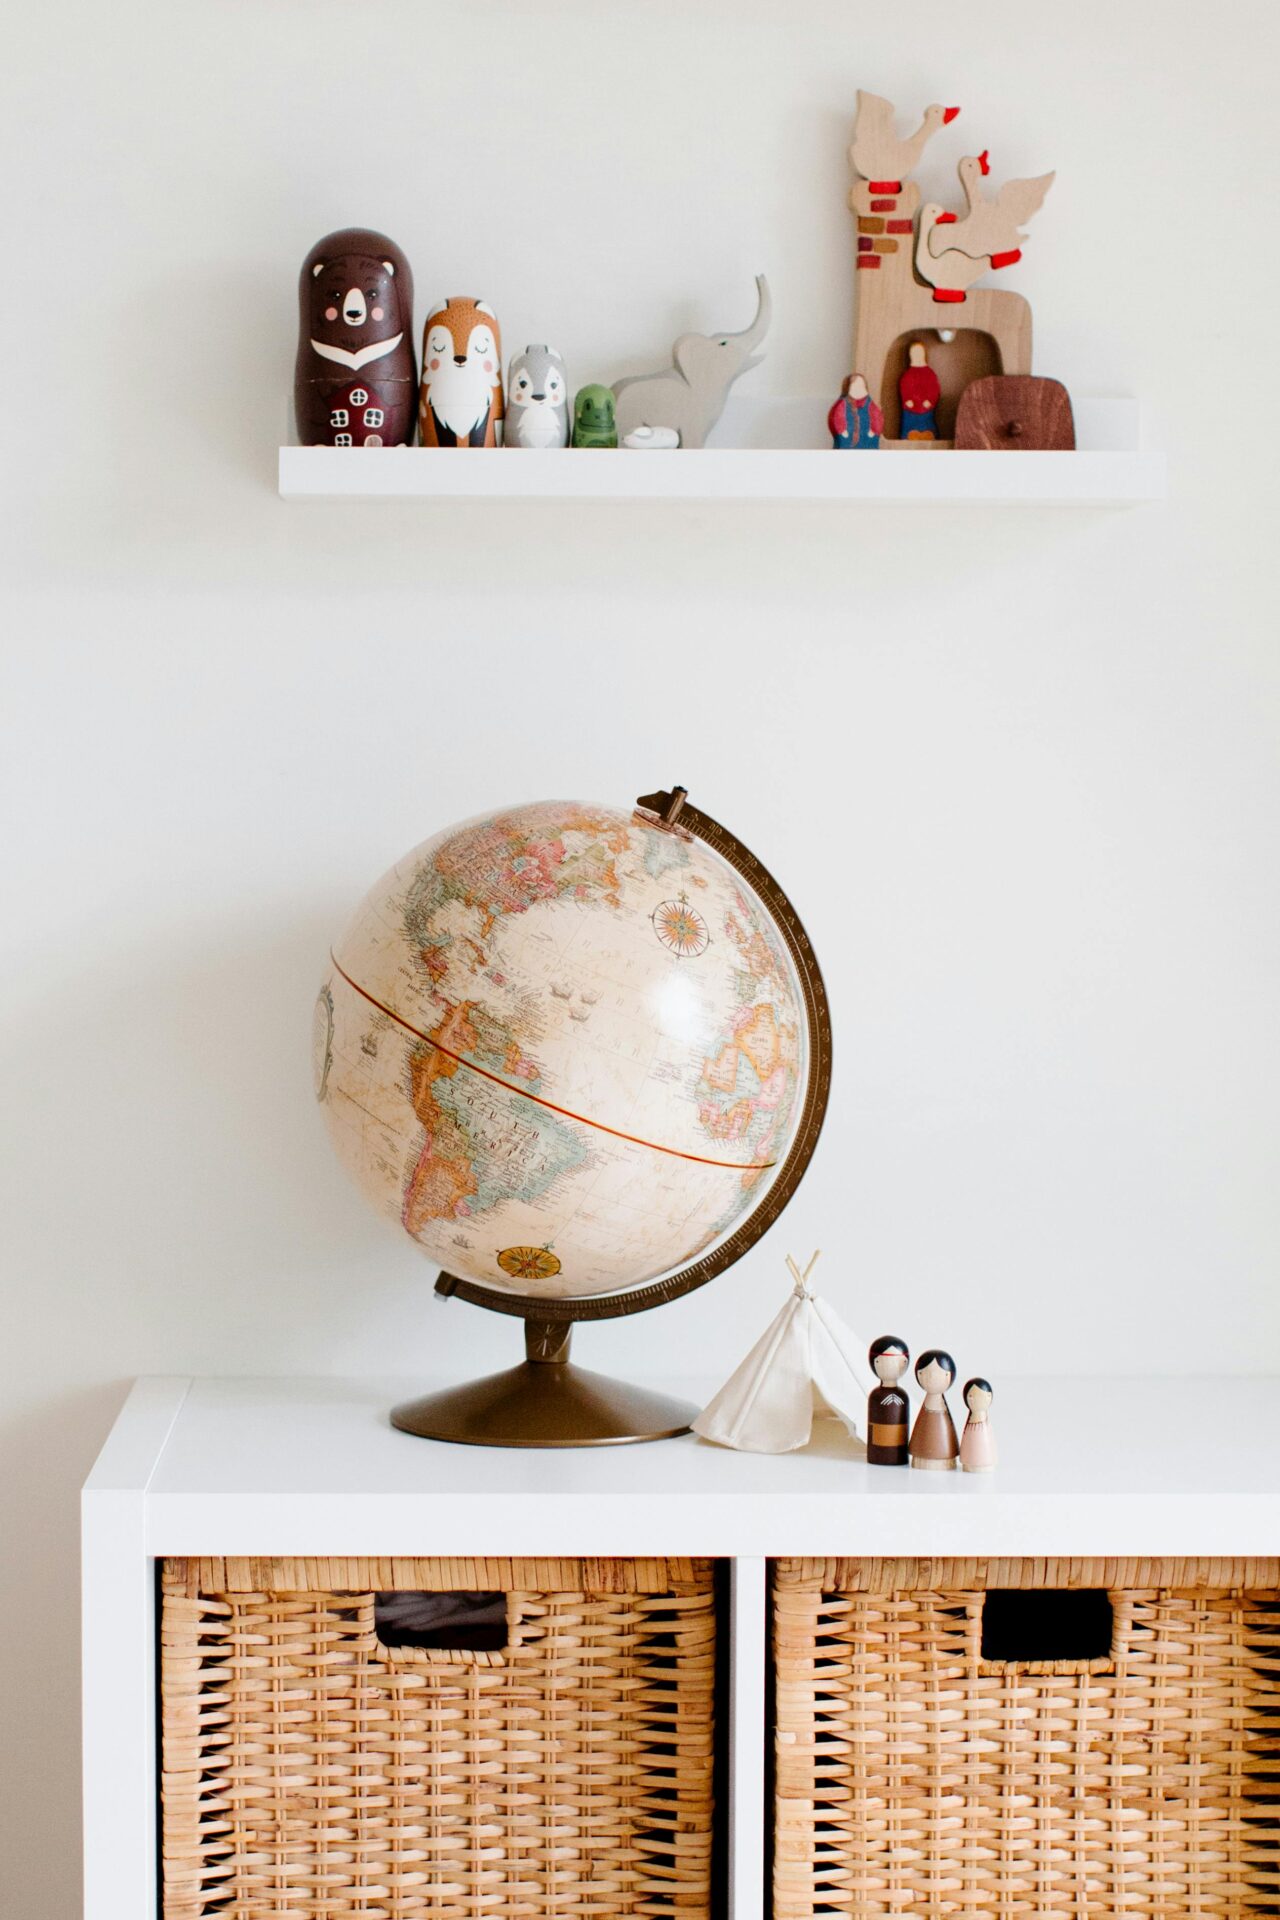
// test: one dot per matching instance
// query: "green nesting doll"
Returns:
(594, 423)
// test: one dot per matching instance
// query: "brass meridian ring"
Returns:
(662, 809)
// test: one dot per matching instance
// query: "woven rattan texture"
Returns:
(310, 1771)
(912, 1778)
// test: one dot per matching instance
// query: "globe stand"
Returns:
(548, 1402)
(544, 1402)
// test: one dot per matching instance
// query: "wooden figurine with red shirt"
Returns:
(919, 393)
(855, 421)
(355, 382)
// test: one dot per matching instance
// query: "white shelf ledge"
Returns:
(1088, 1467)
(775, 452)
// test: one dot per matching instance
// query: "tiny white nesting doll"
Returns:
(537, 400)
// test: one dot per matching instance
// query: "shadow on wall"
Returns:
(47, 1450)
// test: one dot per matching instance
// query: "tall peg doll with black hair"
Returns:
(933, 1438)
(888, 1408)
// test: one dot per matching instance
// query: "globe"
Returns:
(565, 1048)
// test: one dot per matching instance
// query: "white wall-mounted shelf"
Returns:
(773, 451)
(283, 1468)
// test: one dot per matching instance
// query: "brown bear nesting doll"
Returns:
(461, 400)
(355, 381)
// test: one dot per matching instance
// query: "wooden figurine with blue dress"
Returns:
(855, 421)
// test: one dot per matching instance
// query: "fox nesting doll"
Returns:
(461, 400)
(355, 377)
(537, 400)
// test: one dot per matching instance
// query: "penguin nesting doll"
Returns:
(537, 400)
(461, 399)
(355, 378)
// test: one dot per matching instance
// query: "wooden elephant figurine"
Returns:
(689, 396)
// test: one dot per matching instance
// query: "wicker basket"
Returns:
(310, 1770)
(916, 1774)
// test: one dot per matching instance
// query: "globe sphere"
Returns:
(563, 1048)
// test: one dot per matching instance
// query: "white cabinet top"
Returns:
(1088, 1467)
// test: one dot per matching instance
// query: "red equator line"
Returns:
(734, 1166)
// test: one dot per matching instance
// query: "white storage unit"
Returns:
(312, 1468)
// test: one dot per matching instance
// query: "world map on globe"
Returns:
(562, 1047)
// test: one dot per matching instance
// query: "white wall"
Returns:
(1018, 769)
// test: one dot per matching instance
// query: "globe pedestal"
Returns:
(545, 1402)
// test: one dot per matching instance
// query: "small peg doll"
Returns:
(919, 392)
(933, 1438)
(855, 420)
(888, 1408)
(977, 1445)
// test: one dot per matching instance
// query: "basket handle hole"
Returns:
(446, 1622)
(1025, 1625)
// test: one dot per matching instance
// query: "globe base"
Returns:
(544, 1402)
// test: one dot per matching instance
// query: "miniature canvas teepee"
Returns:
(805, 1362)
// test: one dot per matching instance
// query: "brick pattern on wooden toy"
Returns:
(988, 329)
(893, 305)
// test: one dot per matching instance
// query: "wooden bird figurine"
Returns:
(950, 273)
(990, 228)
(877, 153)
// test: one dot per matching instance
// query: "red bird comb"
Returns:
(984, 160)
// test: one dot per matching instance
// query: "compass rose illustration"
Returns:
(529, 1263)
(681, 929)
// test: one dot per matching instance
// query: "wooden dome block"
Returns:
(1015, 413)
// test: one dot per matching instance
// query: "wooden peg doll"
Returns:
(933, 1438)
(919, 392)
(888, 1408)
(978, 1446)
(855, 420)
